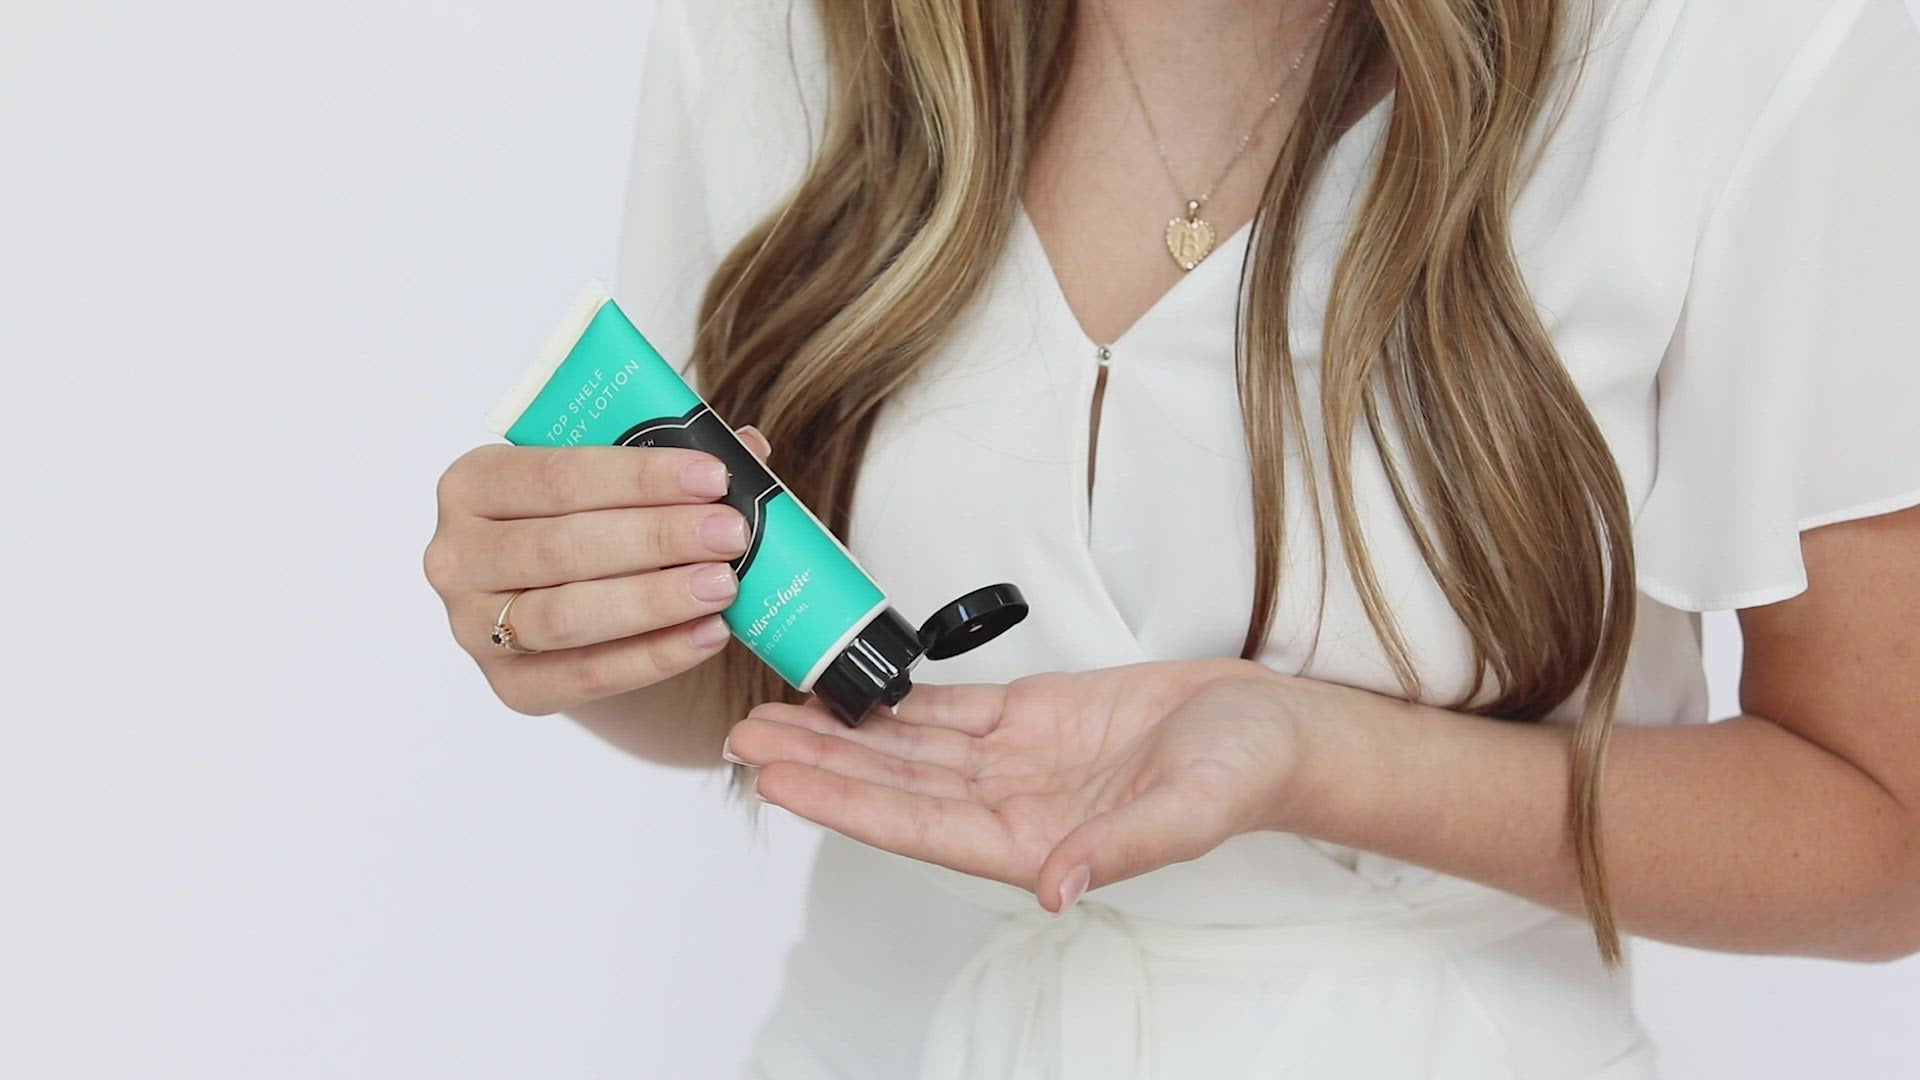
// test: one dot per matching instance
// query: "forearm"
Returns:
(1738, 836)
(668, 723)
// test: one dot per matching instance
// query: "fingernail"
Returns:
(1073, 886)
(709, 632)
(724, 533)
(704, 476)
(728, 754)
(712, 583)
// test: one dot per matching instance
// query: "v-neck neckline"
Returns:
(1027, 252)
(1232, 249)
(1050, 277)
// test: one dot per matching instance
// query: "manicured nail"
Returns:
(704, 476)
(709, 632)
(1073, 886)
(712, 583)
(724, 533)
(728, 754)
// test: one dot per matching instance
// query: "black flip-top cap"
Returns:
(872, 669)
(972, 621)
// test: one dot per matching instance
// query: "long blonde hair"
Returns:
(821, 311)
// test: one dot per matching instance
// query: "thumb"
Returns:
(755, 440)
(1164, 825)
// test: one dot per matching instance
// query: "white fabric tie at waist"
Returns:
(1071, 997)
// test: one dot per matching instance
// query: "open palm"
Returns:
(1117, 771)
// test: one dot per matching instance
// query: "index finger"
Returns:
(502, 481)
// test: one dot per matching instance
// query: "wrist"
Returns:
(1333, 757)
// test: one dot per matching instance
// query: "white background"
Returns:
(262, 268)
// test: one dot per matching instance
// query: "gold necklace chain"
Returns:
(1191, 238)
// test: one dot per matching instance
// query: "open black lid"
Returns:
(972, 621)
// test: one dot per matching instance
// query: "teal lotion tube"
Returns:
(805, 607)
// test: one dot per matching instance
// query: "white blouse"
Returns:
(1722, 241)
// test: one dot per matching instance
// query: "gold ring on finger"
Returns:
(502, 634)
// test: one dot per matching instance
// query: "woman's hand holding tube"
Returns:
(623, 554)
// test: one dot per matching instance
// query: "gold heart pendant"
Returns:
(1189, 239)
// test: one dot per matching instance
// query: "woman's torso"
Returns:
(977, 473)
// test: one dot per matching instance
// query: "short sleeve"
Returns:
(732, 98)
(1789, 397)
(666, 250)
